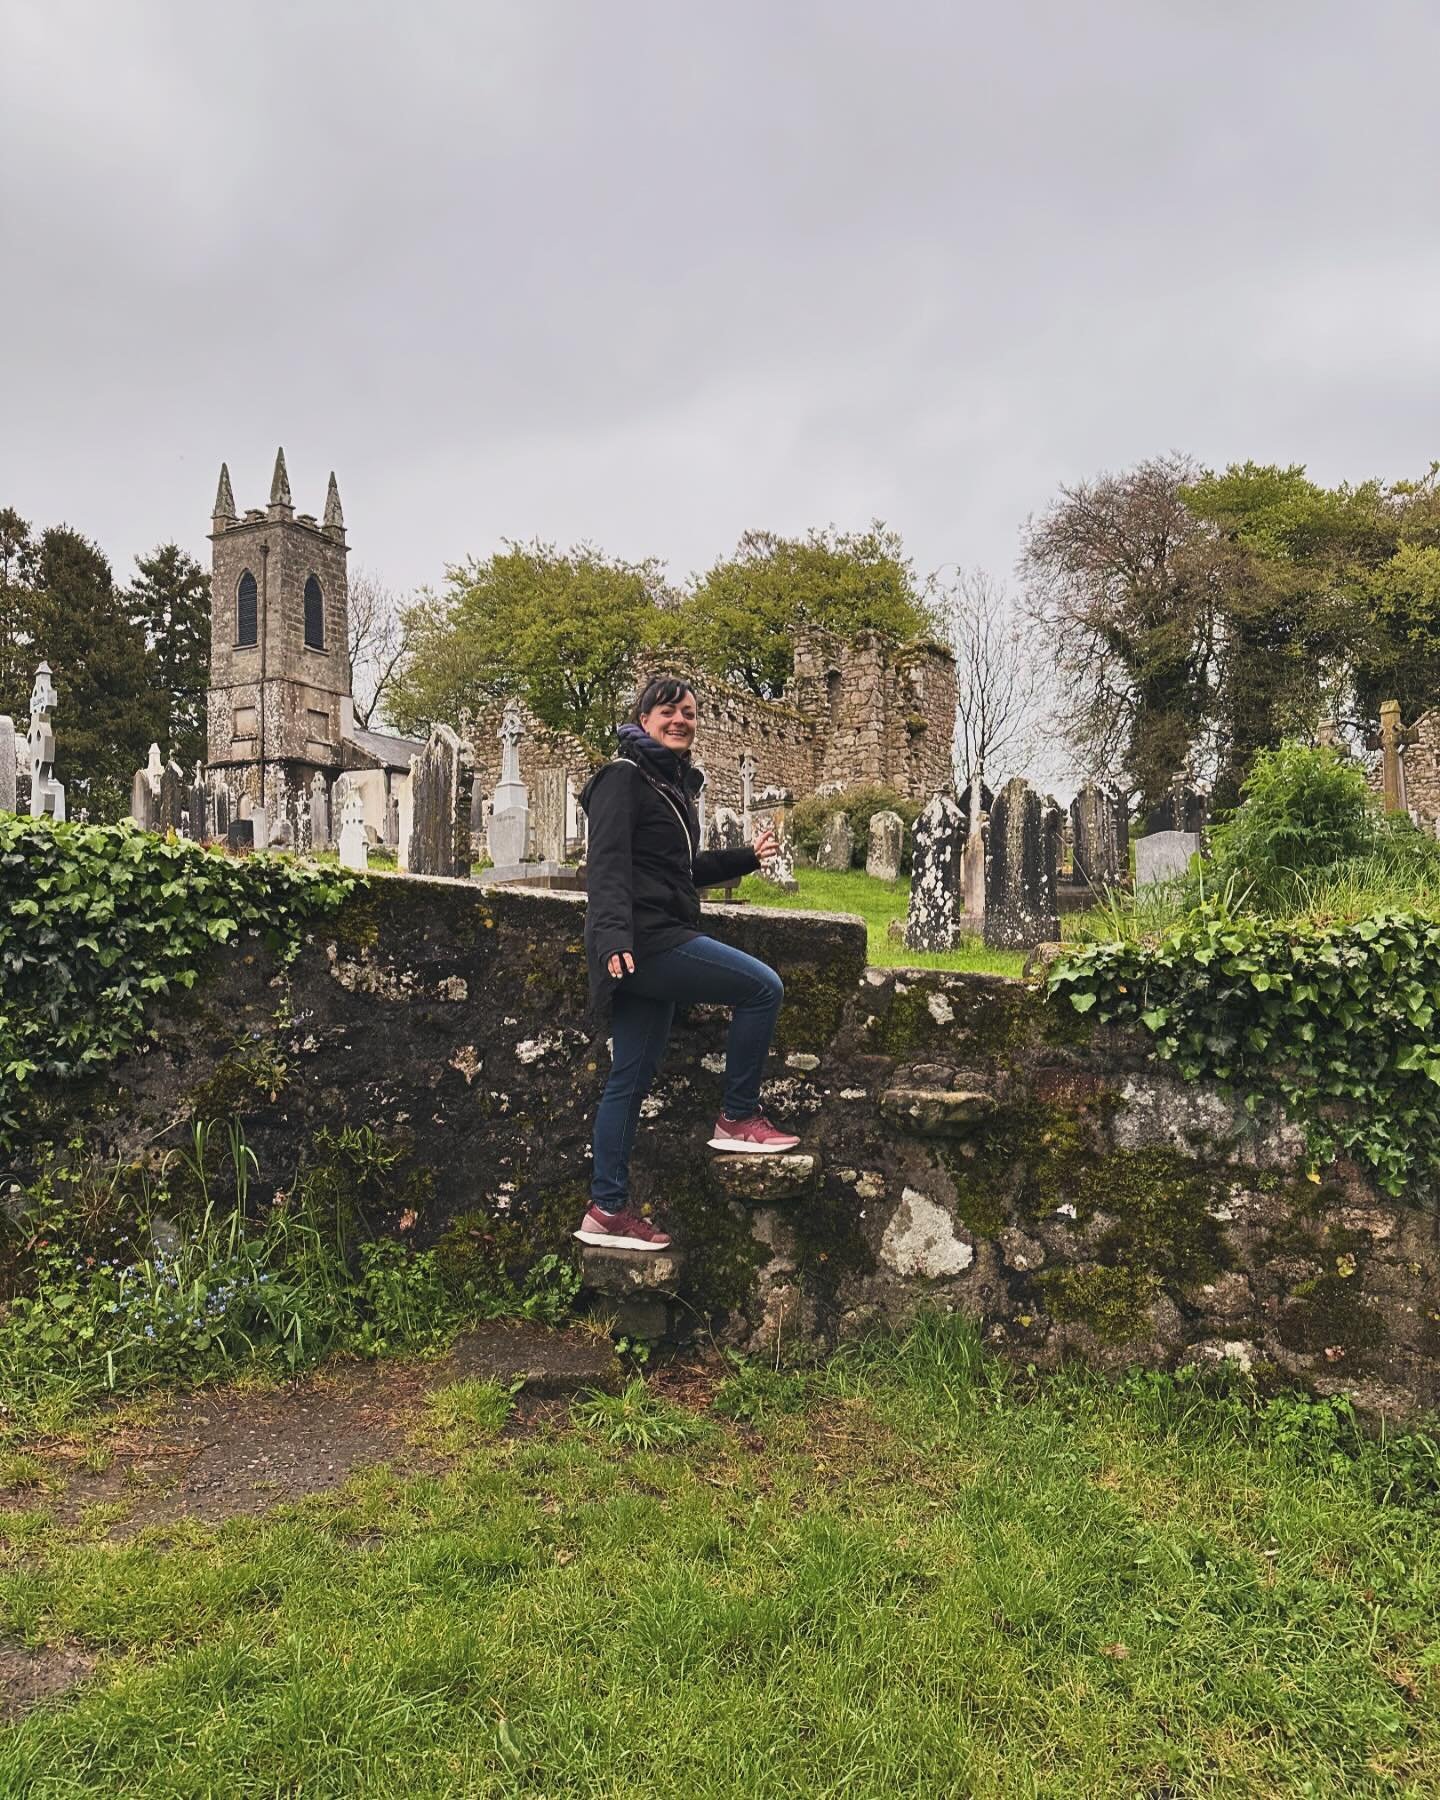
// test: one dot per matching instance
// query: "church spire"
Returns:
(280, 485)
(334, 518)
(223, 511)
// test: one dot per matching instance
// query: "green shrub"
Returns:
(1302, 810)
(859, 804)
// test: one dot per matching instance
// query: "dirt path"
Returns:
(226, 1452)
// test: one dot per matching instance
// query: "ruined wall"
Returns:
(964, 1146)
(872, 711)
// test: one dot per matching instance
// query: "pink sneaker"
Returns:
(621, 1231)
(757, 1136)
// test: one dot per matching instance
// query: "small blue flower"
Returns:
(150, 1331)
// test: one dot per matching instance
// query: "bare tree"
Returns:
(997, 676)
(1121, 584)
(379, 644)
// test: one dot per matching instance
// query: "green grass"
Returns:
(877, 903)
(906, 1574)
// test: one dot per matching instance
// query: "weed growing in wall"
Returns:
(1340, 1024)
(96, 920)
(185, 1279)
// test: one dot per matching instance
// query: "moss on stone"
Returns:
(721, 1254)
(254, 1074)
(1329, 1313)
(1114, 1302)
(356, 926)
(815, 1000)
(986, 1020)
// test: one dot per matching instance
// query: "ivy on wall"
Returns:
(1340, 1023)
(97, 920)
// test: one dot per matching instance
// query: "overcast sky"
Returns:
(649, 274)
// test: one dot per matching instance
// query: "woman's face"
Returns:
(672, 723)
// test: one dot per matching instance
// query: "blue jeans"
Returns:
(643, 1008)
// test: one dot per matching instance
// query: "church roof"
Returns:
(380, 748)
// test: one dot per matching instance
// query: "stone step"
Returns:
(623, 1273)
(936, 1112)
(763, 1180)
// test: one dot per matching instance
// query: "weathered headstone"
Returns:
(887, 846)
(47, 795)
(219, 810)
(508, 838)
(837, 843)
(1102, 855)
(933, 920)
(727, 830)
(442, 778)
(145, 792)
(547, 816)
(354, 846)
(200, 827)
(240, 835)
(1020, 890)
(747, 792)
(1182, 809)
(773, 810)
(319, 812)
(1164, 856)
(7, 763)
(172, 797)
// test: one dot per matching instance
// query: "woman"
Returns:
(647, 954)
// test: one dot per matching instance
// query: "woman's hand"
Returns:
(767, 845)
(622, 963)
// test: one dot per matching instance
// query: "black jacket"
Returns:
(643, 862)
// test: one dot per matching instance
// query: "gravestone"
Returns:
(508, 836)
(1101, 852)
(240, 835)
(442, 780)
(1020, 889)
(477, 811)
(727, 830)
(747, 792)
(1182, 809)
(933, 920)
(1164, 856)
(547, 816)
(145, 792)
(974, 861)
(201, 828)
(773, 809)
(260, 826)
(837, 843)
(172, 798)
(319, 812)
(887, 846)
(354, 846)
(219, 810)
(47, 795)
(7, 763)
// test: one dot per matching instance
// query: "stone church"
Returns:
(279, 707)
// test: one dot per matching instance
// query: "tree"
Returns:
(379, 646)
(18, 553)
(997, 677)
(740, 618)
(169, 600)
(109, 706)
(560, 630)
(1122, 579)
(1291, 564)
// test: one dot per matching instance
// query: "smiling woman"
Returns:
(645, 868)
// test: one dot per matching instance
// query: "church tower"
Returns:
(279, 698)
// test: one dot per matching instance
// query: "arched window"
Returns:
(314, 616)
(247, 611)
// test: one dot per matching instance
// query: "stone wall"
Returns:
(1422, 772)
(964, 1146)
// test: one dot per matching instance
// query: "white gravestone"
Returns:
(354, 846)
(47, 796)
(509, 833)
(747, 792)
(319, 812)
(1164, 856)
(887, 845)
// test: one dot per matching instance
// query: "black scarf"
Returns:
(674, 775)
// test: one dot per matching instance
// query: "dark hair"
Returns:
(659, 690)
